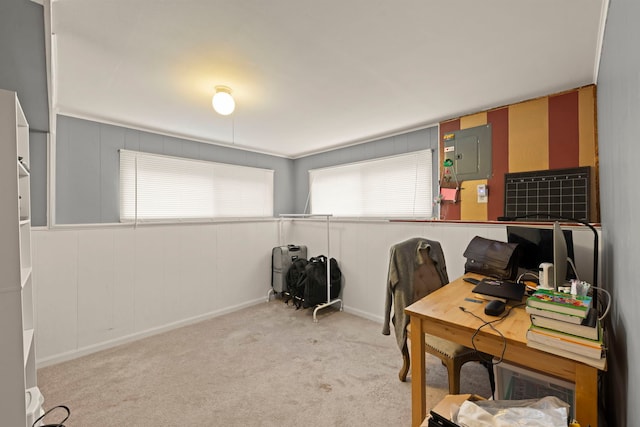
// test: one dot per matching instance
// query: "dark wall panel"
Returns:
(499, 120)
(564, 138)
(448, 210)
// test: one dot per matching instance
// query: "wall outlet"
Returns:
(483, 193)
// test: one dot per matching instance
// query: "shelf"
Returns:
(17, 326)
(22, 170)
(21, 119)
(27, 341)
(25, 273)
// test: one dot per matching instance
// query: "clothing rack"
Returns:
(328, 219)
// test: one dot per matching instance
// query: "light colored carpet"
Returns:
(266, 365)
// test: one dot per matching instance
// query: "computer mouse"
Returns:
(494, 308)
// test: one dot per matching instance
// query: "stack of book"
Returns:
(566, 325)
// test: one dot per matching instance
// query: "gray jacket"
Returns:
(411, 276)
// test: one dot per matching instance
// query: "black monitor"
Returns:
(560, 254)
(536, 246)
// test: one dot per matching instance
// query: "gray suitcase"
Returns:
(281, 259)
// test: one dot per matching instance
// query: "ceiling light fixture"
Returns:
(222, 101)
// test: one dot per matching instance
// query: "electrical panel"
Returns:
(469, 152)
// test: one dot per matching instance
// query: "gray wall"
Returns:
(87, 167)
(399, 144)
(38, 152)
(619, 150)
(23, 70)
(23, 67)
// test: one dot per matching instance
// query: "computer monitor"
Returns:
(559, 256)
(536, 247)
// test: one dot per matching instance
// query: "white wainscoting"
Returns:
(362, 251)
(97, 287)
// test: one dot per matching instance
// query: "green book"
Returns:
(559, 302)
(589, 327)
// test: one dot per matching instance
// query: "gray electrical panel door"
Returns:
(470, 152)
(466, 155)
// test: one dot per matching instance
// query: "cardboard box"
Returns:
(443, 408)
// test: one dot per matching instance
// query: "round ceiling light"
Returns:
(222, 101)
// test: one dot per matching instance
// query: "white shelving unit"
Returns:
(20, 399)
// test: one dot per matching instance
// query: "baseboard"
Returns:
(83, 351)
(363, 314)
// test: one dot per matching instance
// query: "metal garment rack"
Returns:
(329, 300)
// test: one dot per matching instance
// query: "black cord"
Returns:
(60, 424)
(490, 324)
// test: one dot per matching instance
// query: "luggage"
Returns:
(315, 286)
(281, 259)
(296, 281)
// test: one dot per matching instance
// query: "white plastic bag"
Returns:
(545, 412)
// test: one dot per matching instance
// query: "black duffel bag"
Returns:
(315, 289)
(492, 258)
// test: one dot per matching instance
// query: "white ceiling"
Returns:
(311, 75)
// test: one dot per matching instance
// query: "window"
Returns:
(156, 187)
(398, 186)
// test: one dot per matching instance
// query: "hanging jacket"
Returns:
(416, 268)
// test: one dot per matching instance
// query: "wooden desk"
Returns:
(439, 314)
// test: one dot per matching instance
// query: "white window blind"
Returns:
(156, 187)
(398, 186)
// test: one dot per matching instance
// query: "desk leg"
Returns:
(586, 395)
(418, 383)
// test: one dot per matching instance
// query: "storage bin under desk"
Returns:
(517, 383)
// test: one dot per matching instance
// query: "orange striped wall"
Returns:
(472, 210)
(553, 132)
